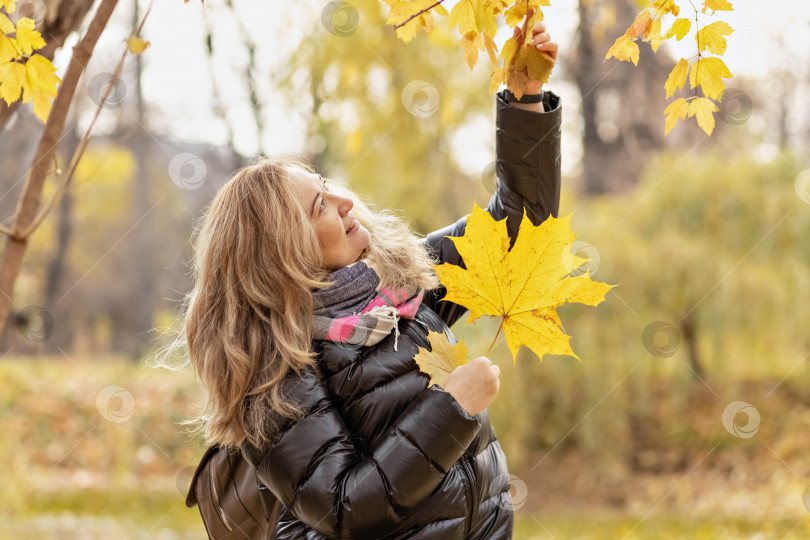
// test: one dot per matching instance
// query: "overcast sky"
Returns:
(177, 82)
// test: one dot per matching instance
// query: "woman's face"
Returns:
(341, 237)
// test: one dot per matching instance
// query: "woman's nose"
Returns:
(345, 205)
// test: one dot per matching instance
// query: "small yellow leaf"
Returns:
(6, 26)
(703, 109)
(708, 73)
(712, 37)
(485, 20)
(515, 14)
(654, 34)
(472, 43)
(524, 285)
(677, 77)
(497, 78)
(40, 85)
(463, 16)
(641, 25)
(624, 48)
(10, 5)
(508, 51)
(717, 5)
(9, 50)
(401, 11)
(12, 79)
(27, 38)
(537, 64)
(136, 45)
(516, 81)
(679, 29)
(492, 48)
(676, 110)
(662, 7)
(441, 359)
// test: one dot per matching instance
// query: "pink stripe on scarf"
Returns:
(377, 301)
(341, 329)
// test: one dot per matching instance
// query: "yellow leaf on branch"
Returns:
(675, 111)
(441, 359)
(624, 48)
(40, 85)
(12, 80)
(703, 109)
(717, 5)
(677, 77)
(9, 50)
(537, 64)
(10, 5)
(136, 45)
(708, 73)
(679, 29)
(662, 7)
(6, 26)
(523, 285)
(712, 37)
(463, 16)
(472, 43)
(27, 38)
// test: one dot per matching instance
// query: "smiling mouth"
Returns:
(350, 229)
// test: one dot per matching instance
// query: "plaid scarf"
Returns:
(358, 310)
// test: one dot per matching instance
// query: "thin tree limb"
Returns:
(32, 190)
(415, 15)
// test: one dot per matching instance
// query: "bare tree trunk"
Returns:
(62, 336)
(621, 104)
(689, 332)
(29, 201)
(143, 308)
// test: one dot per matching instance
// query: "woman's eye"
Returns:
(323, 205)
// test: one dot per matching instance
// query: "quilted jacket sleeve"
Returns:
(527, 167)
(315, 470)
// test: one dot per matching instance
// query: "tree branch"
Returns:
(415, 15)
(32, 190)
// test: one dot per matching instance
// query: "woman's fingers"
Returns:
(549, 47)
(540, 38)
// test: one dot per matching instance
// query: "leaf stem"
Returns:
(496, 336)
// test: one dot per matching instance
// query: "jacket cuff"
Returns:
(441, 428)
(527, 148)
(525, 98)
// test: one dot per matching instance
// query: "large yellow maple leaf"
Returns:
(523, 285)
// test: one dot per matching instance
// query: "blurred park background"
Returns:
(689, 413)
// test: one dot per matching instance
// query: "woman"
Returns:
(306, 313)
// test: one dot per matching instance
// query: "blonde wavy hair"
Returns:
(247, 322)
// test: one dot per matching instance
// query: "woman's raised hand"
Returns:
(475, 384)
(542, 41)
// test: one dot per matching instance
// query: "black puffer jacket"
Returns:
(381, 455)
